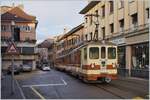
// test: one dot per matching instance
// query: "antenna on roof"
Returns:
(13, 4)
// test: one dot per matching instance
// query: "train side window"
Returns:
(85, 53)
(111, 53)
(103, 52)
(94, 53)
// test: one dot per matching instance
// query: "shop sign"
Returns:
(118, 41)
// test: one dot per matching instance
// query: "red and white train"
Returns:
(92, 61)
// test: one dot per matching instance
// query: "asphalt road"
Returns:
(59, 85)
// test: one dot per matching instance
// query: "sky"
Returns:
(52, 15)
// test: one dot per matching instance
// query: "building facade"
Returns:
(69, 41)
(21, 27)
(125, 23)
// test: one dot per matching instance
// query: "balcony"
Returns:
(131, 31)
(8, 39)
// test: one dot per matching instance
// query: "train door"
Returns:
(103, 60)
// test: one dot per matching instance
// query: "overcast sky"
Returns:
(52, 15)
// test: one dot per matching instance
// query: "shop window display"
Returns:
(140, 56)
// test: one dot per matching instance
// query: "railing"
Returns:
(129, 31)
(8, 39)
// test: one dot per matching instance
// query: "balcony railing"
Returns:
(8, 39)
(129, 31)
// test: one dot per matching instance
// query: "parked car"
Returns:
(46, 67)
(26, 67)
(17, 69)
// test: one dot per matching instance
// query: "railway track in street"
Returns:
(122, 92)
(110, 91)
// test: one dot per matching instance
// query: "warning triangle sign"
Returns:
(12, 49)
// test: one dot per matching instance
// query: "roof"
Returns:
(89, 6)
(46, 43)
(9, 16)
(17, 14)
(72, 31)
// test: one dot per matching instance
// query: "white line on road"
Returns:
(37, 93)
(21, 91)
(42, 85)
(65, 83)
(38, 85)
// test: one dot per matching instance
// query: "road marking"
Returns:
(37, 93)
(65, 83)
(21, 91)
(39, 85)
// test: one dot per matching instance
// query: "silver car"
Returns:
(26, 67)
(46, 67)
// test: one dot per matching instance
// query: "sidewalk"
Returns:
(6, 89)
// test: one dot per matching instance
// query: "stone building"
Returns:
(126, 23)
(16, 24)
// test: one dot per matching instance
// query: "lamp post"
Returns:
(12, 67)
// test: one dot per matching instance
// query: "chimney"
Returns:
(65, 30)
(13, 4)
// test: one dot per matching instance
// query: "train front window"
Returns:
(103, 52)
(111, 53)
(94, 53)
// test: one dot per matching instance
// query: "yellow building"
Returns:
(126, 23)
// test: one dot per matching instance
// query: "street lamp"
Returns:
(12, 40)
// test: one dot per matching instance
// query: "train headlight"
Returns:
(114, 65)
(93, 65)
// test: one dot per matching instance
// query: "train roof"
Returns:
(89, 43)
(102, 42)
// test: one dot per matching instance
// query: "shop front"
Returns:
(140, 60)
(137, 55)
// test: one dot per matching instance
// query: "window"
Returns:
(28, 50)
(3, 49)
(91, 20)
(111, 53)
(103, 11)
(96, 12)
(131, 1)
(111, 9)
(121, 4)
(103, 52)
(85, 53)
(94, 53)
(86, 20)
(16, 34)
(147, 13)
(86, 37)
(121, 23)
(103, 32)
(96, 35)
(134, 19)
(111, 28)
(140, 56)
(91, 35)
(3, 27)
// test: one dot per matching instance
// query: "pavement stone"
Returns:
(6, 89)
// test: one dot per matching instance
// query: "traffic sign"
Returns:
(12, 49)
